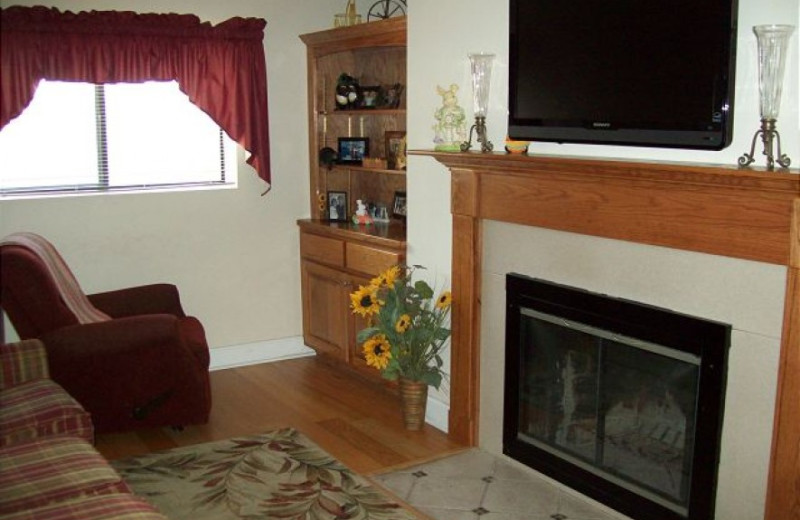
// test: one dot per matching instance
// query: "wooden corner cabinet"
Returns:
(338, 256)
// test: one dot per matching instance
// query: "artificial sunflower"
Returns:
(444, 301)
(365, 301)
(386, 278)
(377, 351)
(406, 326)
(403, 323)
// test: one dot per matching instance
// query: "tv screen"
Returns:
(629, 72)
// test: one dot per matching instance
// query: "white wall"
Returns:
(746, 294)
(232, 253)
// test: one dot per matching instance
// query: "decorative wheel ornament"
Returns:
(386, 9)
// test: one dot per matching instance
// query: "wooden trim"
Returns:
(466, 276)
(383, 33)
(465, 360)
(783, 498)
(751, 214)
(717, 210)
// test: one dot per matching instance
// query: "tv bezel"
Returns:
(597, 132)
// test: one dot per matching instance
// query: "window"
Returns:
(77, 137)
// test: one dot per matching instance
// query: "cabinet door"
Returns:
(326, 309)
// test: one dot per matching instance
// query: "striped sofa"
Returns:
(50, 470)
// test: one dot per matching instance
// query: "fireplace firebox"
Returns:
(619, 400)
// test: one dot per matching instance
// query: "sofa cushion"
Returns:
(117, 507)
(54, 469)
(22, 361)
(39, 408)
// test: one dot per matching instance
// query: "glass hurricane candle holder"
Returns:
(481, 66)
(773, 42)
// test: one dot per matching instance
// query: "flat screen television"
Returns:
(627, 72)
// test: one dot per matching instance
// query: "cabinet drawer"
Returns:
(322, 249)
(370, 260)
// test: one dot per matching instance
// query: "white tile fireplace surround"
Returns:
(748, 295)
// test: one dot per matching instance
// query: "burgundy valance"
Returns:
(221, 68)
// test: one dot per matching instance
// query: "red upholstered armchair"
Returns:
(139, 362)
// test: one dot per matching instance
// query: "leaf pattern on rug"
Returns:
(280, 474)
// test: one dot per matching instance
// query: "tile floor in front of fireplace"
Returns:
(476, 485)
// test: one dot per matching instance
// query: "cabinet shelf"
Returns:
(384, 171)
(390, 235)
(365, 112)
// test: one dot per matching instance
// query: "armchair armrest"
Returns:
(80, 344)
(128, 371)
(160, 298)
(22, 361)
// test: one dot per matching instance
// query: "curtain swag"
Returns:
(221, 68)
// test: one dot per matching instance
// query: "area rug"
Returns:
(280, 474)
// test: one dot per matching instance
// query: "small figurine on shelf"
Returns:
(346, 92)
(450, 129)
(361, 215)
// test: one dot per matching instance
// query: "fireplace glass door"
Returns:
(620, 400)
(612, 405)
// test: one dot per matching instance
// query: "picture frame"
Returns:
(391, 96)
(395, 150)
(399, 207)
(337, 206)
(371, 97)
(352, 150)
(381, 213)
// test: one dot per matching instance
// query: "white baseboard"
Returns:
(259, 352)
(436, 414)
(293, 347)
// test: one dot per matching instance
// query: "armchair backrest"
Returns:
(57, 274)
(29, 294)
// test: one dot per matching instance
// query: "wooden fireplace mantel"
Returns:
(750, 214)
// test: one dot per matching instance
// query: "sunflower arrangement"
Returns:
(406, 326)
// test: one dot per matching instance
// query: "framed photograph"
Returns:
(371, 96)
(395, 150)
(399, 204)
(337, 206)
(381, 213)
(352, 150)
(390, 96)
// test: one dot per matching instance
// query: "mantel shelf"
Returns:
(741, 213)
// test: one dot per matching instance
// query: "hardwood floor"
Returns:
(355, 421)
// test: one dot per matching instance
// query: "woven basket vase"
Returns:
(414, 398)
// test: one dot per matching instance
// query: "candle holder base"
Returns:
(480, 136)
(771, 139)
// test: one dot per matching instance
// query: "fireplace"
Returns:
(730, 216)
(619, 400)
